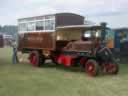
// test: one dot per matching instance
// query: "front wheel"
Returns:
(92, 67)
(113, 68)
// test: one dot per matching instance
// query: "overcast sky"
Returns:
(115, 12)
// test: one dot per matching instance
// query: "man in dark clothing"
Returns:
(14, 55)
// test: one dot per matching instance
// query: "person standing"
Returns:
(14, 55)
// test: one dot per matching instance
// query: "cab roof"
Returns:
(78, 27)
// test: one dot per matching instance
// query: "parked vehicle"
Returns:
(66, 40)
(5, 40)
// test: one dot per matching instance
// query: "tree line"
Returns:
(9, 30)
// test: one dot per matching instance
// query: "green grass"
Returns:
(25, 80)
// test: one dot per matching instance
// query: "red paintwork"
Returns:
(66, 60)
(83, 60)
(110, 68)
(33, 60)
(90, 69)
(61, 59)
(73, 63)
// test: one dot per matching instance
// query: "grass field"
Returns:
(25, 80)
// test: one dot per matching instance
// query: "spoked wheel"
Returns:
(92, 67)
(33, 60)
(112, 68)
(36, 59)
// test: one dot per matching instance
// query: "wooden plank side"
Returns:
(37, 40)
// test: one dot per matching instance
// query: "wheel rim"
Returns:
(112, 68)
(90, 69)
(33, 60)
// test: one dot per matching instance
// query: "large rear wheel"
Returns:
(36, 59)
(92, 67)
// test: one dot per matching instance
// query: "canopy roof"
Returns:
(79, 27)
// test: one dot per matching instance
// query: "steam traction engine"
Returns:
(66, 40)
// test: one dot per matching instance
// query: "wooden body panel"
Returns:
(37, 40)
